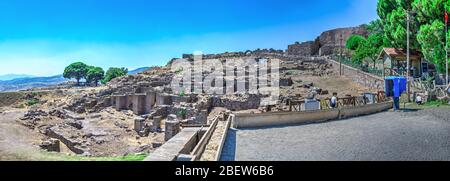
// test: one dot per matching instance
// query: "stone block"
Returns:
(121, 102)
(311, 105)
(156, 124)
(172, 127)
(139, 104)
(139, 124)
(163, 99)
(52, 145)
(150, 101)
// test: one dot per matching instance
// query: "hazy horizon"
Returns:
(40, 38)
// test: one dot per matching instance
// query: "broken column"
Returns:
(139, 124)
(121, 102)
(156, 124)
(172, 127)
(139, 104)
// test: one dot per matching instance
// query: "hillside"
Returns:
(14, 76)
(30, 82)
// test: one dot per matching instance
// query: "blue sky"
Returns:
(41, 37)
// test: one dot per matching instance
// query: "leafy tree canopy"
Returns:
(113, 73)
(355, 41)
(426, 26)
(95, 74)
(77, 70)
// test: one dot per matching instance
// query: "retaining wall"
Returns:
(359, 76)
(295, 118)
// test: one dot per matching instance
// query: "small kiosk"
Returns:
(394, 87)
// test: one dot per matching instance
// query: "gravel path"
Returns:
(214, 143)
(16, 141)
(387, 136)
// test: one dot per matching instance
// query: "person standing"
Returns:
(333, 101)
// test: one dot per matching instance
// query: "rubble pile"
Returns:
(71, 137)
(32, 118)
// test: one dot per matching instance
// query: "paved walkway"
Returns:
(387, 136)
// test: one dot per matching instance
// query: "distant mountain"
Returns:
(25, 82)
(139, 70)
(14, 76)
(29, 83)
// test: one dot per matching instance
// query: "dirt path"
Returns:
(214, 143)
(16, 141)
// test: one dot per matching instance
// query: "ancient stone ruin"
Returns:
(328, 43)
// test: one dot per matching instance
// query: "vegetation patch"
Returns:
(62, 157)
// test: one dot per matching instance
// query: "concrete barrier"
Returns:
(307, 117)
(283, 118)
(364, 110)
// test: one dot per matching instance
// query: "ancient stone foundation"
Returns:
(150, 101)
(121, 102)
(139, 124)
(163, 99)
(52, 145)
(139, 104)
(156, 124)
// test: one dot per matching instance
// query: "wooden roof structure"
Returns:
(399, 54)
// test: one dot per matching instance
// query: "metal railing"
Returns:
(351, 101)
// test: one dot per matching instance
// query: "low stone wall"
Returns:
(295, 118)
(363, 78)
(282, 118)
(364, 110)
(182, 143)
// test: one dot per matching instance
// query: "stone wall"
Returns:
(327, 43)
(359, 76)
(303, 49)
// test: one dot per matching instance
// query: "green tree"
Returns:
(369, 49)
(431, 35)
(375, 27)
(427, 26)
(113, 73)
(94, 75)
(373, 46)
(77, 70)
(393, 15)
(354, 42)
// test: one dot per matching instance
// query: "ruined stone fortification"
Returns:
(327, 43)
